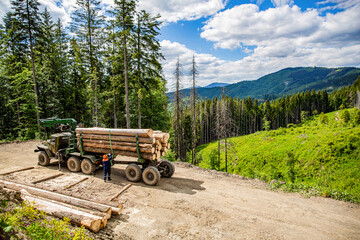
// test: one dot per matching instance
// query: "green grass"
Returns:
(23, 221)
(314, 158)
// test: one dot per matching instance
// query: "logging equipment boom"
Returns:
(69, 145)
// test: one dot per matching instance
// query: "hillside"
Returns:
(285, 81)
(316, 158)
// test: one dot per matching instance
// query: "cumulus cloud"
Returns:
(264, 60)
(175, 10)
(245, 25)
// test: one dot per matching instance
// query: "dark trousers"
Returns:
(107, 171)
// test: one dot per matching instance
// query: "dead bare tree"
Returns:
(178, 110)
(194, 73)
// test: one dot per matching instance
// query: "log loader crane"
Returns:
(64, 147)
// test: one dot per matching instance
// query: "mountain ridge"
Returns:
(283, 82)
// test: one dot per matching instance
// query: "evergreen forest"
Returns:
(103, 71)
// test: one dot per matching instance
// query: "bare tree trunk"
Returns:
(225, 153)
(126, 73)
(126, 86)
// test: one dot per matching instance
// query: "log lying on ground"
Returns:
(121, 191)
(47, 178)
(14, 171)
(71, 185)
(117, 131)
(148, 156)
(76, 216)
(62, 198)
(128, 139)
(119, 147)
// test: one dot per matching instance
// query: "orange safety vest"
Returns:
(105, 158)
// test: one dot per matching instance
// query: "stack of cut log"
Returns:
(163, 138)
(152, 144)
(83, 212)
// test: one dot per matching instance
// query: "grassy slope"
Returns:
(317, 158)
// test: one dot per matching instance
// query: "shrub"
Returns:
(345, 116)
(357, 116)
(323, 119)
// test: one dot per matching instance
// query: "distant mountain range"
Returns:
(216, 84)
(285, 81)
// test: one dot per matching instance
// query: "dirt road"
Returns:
(199, 204)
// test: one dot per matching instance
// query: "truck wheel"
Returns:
(43, 159)
(133, 172)
(87, 166)
(73, 164)
(166, 168)
(151, 176)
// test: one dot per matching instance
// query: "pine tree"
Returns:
(27, 16)
(88, 25)
(124, 13)
(147, 57)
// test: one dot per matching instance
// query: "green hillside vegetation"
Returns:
(321, 156)
(286, 81)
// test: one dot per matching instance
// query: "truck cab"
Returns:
(49, 148)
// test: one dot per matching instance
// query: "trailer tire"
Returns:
(43, 159)
(166, 168)
(151, 176)
(87, 166)
(73, 164)
(133, 172)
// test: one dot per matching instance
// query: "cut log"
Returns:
(158, 154)
(76, 216)
(47, 178)
(159, 136)
(117, 131)
(118, 147)
(121, 191)
(70, 186)
(130, 144)
(149, 140)
(62, 198)
(14, 171)
(104, 215)
(147, 156)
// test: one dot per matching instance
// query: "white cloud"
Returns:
(279, 3)
(246, 25)
(175, 10)
(56, 11)
(338, 4)
(5, 7)
(264, 60)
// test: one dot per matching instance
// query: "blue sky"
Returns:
(236, 40)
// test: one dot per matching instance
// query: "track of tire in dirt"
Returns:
(196, 204)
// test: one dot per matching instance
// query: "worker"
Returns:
(107, 166)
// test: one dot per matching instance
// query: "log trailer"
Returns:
(66, 146)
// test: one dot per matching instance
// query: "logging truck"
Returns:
(81, 149)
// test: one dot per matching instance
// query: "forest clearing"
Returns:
(257, 106)
(196, 204)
